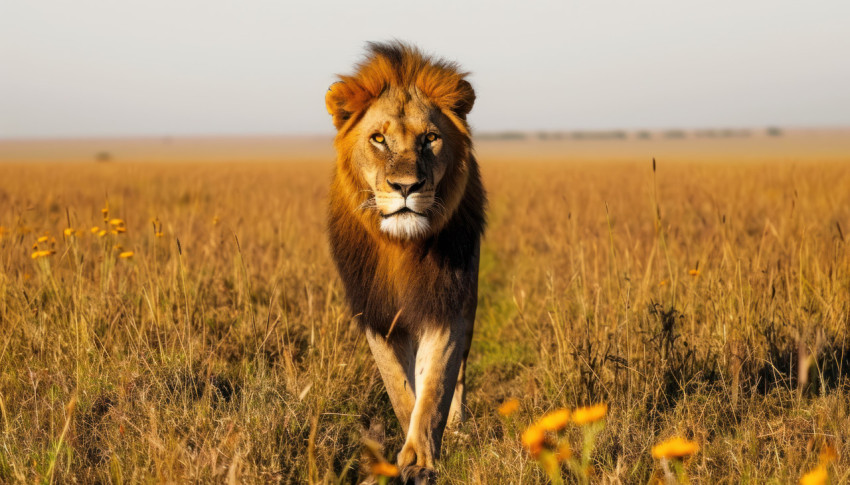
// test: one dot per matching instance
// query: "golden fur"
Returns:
(405, 220)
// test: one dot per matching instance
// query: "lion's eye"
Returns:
(378, 138)
(430, 137)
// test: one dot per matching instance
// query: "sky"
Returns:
(92, 68)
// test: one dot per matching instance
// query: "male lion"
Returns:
(405, 222)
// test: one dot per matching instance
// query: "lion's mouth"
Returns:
(403, 210)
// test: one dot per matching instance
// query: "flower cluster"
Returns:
(543, 439)
(43, 247)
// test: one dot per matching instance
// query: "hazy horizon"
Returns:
(102, 69)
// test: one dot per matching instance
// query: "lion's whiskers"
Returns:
(437, 208)
(368, 204)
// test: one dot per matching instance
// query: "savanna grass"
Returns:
(209, 340)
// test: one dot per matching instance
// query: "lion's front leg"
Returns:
(438, 360)
(395, 360)
(457, 414)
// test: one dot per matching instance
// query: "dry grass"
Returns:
(231, 356)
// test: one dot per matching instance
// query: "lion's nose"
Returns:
(406, 189)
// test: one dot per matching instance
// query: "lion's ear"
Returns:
(336, 100)
(466, 99)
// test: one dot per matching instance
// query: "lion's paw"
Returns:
(418, 475)
(416, 464)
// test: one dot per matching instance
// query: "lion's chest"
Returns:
(411, 286)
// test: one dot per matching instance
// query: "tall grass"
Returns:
(708, 301)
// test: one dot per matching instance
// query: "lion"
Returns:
(407, 213)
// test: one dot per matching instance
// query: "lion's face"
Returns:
(403, 144)
(401, 155)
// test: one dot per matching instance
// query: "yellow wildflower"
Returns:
(384, 469)
(102, 233)
(694, 272)
(95, 229)
(532, 438)
(818, 476)
(676, 447)
(509, 407)
(160, 234)
(41, 254)
(43, 239)
(126, 255)
(590, 414)
(116, 222)
(68, 231)
(555, 420)
(120, 230)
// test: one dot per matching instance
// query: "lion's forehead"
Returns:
(393, 115)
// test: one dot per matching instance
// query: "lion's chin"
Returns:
(407, 225)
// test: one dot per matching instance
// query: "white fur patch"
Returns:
(405, 226)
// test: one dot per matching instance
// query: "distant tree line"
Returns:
(624, 135)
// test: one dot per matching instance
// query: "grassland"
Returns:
(705, 300)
